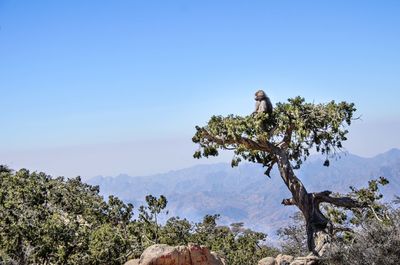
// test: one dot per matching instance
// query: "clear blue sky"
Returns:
(106, 87)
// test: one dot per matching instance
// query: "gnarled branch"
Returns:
(288, 202)
(345, 202)
(324, 196)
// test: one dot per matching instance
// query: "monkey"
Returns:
(263, 103)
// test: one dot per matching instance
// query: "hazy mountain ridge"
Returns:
(245, 194)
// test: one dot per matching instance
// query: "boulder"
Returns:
(290, 260)
(267, 261)
(309, 260)
(322, 243)
(199, 255)
(181, 255)
(216, 259)
(165, 255)
(283, 259)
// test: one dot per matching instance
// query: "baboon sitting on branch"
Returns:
(263, 103)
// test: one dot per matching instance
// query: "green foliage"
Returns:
(148, 218)
(375, 242)
(239, 246)
(46, 220)
(369, 197)
(293, 236)
(108, 244)
(295, 126)
(176, 231)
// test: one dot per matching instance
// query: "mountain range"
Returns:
(245, 194)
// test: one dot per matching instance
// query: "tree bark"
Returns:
(309, 203)
(301, 198)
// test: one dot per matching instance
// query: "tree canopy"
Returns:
(295, 127)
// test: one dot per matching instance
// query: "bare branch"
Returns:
(345, 202)
(288, 202)
(324, 196)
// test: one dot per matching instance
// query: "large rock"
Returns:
(216, 259)
(267, 261)
(199, 255)
(308, 260)
(322, 242)
(289, 260)
(182, 255)
(165, 255)
(283, 259)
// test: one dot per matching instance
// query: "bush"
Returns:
(375, 242)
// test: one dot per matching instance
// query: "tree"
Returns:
(238, 245)
(347, 223)
(176, 232)
(285, 138)
(294, 236)
(375, 242)
(45, 220)
(148, 215)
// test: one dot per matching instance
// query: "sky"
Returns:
(107, 87)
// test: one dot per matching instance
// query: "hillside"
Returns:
(244, 194)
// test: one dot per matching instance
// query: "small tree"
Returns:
(285, 138)
(149, 215)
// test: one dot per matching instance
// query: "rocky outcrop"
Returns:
(283, 259)
(322, 245)
(308, 260)
(289, 260)
(181, 255)
(267, 261)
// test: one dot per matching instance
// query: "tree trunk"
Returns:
(308, 203)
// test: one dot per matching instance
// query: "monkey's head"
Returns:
(260, 95)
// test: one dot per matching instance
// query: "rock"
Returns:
(216, 259)
(289, 260)
(267, 261)
(322, 242)
(132, 262)
(164, 255)
(182, 255)
(283, 259)
(199, 255)
(305, 261)
(308, 260)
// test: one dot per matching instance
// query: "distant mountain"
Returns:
(245, 194)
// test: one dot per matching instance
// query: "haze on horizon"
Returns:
(102, 88)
